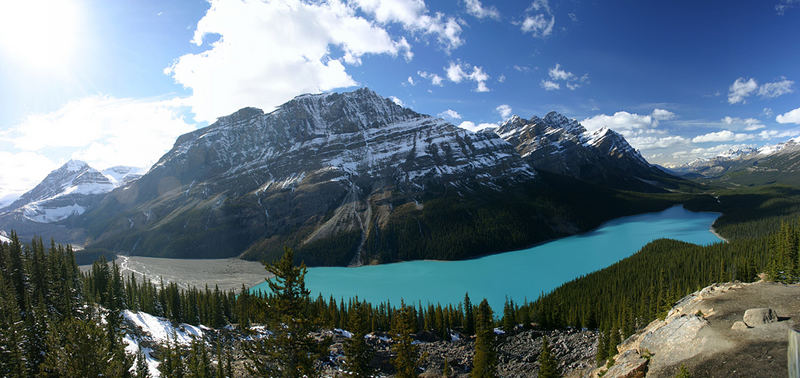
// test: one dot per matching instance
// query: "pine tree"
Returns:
(406, 355)
(509, 321)
(356, 349)
(12, 361)
(469, 319)
(446, 369)
(548, 366)
(288, 352)
(602, 350)
(142, 371)
(484, 363)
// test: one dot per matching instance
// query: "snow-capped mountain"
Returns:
(561, 145)
(63, 193)
(775, 163)
(319, 167)
(68, 190)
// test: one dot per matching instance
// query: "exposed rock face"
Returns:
(628, 364)
(755, 317)
(558, 144)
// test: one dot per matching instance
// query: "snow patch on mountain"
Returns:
(38, 212)
(68, 191)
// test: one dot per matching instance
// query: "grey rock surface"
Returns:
(755, 317)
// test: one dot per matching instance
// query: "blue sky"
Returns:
(114, 83)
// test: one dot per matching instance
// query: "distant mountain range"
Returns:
(348, 178)
(770, 164)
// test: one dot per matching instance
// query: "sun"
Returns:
(39, 34)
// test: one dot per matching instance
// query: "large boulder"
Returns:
(739, 325)
(755, 317)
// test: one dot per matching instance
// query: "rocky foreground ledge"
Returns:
(723, 330)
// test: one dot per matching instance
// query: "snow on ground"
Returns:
(161, 329)
(342, 332)
(132, 347)
(4, 237)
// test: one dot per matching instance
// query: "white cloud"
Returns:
(792, 116)
(621, 122)
(397, 100)
(747, 124)
(540, 25)
(783, 5)
(662, 114)
(722, 136)
(549, 85)
(434, 78)
(778, 88)
(450, 114)
(475, 8)
(414, 16)
(556, 74)
(27, 170)
(457, 72)
(740, 89)
(101, 130)
(504, 110)
(501, 79)
(650, 142)
(269, 52)
(471, 126)
(410, 81)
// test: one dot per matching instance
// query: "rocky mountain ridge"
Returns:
(353, 178)
(561, 145)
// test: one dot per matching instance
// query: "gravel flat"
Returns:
(229, 273)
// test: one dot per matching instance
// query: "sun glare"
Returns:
(39, 34)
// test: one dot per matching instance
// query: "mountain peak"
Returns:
(74, 165)
(558, 120)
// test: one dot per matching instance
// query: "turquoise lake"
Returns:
(520, 275)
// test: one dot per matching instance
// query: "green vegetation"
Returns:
(287, 352)
(45, 328)
(484, 363)
(548, 366)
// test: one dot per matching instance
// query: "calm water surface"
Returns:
(520, 275)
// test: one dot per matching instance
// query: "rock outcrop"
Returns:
(705, 332)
